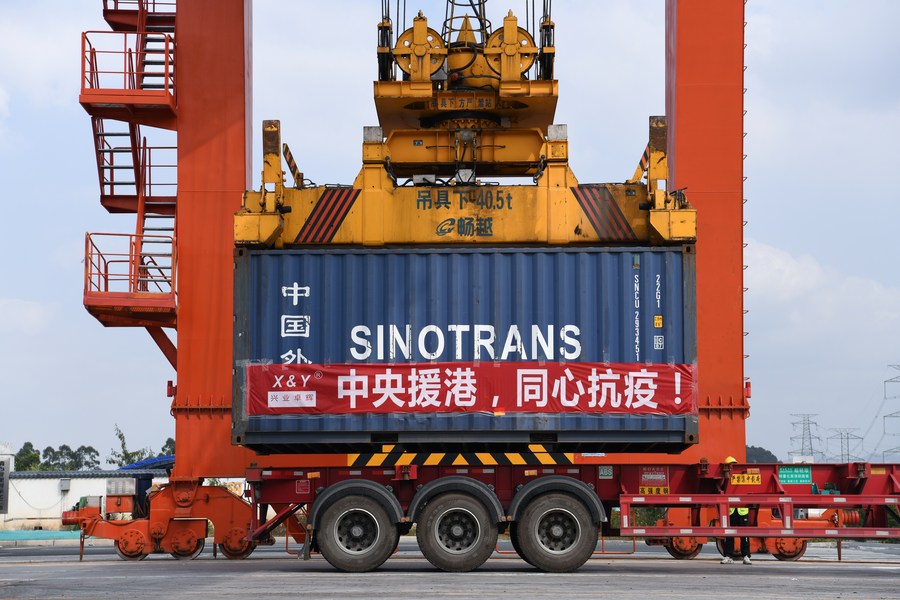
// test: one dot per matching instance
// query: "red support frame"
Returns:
(785, 504)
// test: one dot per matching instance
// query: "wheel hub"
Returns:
(356, 531)
(457, 530)
(558, 530)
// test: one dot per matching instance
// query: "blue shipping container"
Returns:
(467, 305)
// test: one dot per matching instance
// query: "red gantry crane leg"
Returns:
(212, 119)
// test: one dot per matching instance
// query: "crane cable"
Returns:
(479, 14)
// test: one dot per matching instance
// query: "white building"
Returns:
(38, 498)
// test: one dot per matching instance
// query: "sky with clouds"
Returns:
(823, 116)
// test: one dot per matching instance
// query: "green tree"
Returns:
(53, 458)
(63, 458)
(756, 454)
(86, 457)
(27, 458)
(124, 456)
(67, 459)
(168, 448)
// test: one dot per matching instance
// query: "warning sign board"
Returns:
(654, 480)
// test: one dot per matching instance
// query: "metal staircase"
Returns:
(128, 89)
(131, 15)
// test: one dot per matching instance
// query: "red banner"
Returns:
(452, 387)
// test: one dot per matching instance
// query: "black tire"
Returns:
(456, 532)
(681, 555)
(198, 548)
(514, 540)
(356, 534)
(556, 533)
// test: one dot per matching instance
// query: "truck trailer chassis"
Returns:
(553, 513)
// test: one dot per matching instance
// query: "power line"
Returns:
(890, 417)
(845, 435)
(807, 439)
(890, 452)
(885, 420)
(874, 452)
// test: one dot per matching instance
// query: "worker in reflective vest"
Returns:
(737, 517)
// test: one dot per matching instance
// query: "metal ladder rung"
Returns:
(114, 150)
(116, 166)
(120, 183)
(112, 133)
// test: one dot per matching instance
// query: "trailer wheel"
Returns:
(514, 539)
(556, 533)
(356, 535)
(456, 533)
(191, 554)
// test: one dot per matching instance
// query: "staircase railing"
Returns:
(110, 165)
(114, 60)
(149, 6)
(159, 170)
(133, 167)
(128, 263)
(89, 70)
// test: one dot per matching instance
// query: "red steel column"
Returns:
(214, 114)
(214, 89)
(705, 105)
